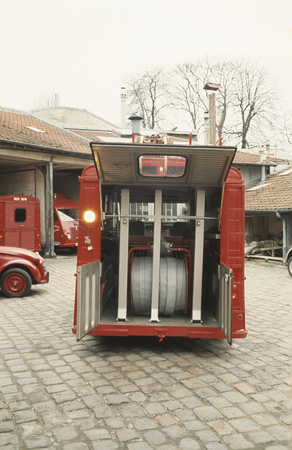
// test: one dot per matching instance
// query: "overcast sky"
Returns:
(85, 49)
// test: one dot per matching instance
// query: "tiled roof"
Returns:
(274, 194)
(94, 135)
(25, 128)
(243, 157)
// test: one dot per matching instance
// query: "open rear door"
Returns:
(225, 302)
(88, 298)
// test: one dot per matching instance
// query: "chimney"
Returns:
(268, 149)
(56, 103)
(207, 128)
(262, 154)
(123, 107)
(263, 166)
(136, 123)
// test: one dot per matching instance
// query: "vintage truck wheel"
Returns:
(15, 283)
(290, 266)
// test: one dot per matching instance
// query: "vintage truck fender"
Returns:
(34, 271)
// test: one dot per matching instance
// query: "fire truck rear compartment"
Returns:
(185, 295)
(157, 269)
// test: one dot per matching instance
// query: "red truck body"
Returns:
(65, 222)
(184, 277)
(20, 222)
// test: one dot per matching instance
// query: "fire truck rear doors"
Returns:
(88, 298)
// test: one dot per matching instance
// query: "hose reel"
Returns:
(173, 278)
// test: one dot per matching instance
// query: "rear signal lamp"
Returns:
(89, 216)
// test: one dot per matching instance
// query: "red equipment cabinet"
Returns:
(20, 222)
(187, 282)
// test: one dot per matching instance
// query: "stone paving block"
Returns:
(215, 446)
(64, 396)
(8, 439)
(116, 399)
(36, 442)
(115, 423)
(174, 431)
(44, 406)
(76, 446)
(144, 424)
(125, 435)
(166, 419)
(281, 433)
(5, 414)
(221, 427)
(131, 410)
(238, 442)
(31, 428)
(194, 425)
(188, 444)
(244, 425)
(154, 437)
(207, 413)
(104, 445)
(6, 426)
(207, 436)
(139, 446)
(27, 415)
(97, 434)
(103, 411)
(52, 419)
(64, 433)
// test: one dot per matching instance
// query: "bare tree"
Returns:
(188, 83)
(45, 100)
(246, 103)
(255, 102)
(223, 72)
(147, 97)
(187, 95)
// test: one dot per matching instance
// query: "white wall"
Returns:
(18, 183)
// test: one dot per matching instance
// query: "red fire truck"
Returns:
(137, 277)
(65, 222)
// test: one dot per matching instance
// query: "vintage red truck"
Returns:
(19, 270)
(65, 222)
(161, 242)
(20, 222)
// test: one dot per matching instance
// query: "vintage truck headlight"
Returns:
(89, 216)
(69, 236)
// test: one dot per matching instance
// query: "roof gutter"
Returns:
(35, 147)
(278, 212)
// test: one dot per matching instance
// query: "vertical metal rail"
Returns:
(156, 256)
(123, 257)
(50, 210)
(225, 302)
(198, 258)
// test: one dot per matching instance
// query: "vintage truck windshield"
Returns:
(68, 215)
(162, 166)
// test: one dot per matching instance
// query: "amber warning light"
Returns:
(89, 216)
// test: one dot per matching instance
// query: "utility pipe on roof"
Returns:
(123, 107)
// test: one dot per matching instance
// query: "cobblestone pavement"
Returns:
(137, 393)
